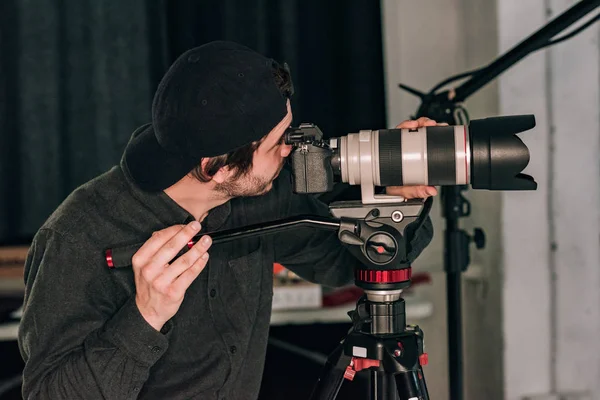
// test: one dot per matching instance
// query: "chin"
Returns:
(262, 192)
(267, 189)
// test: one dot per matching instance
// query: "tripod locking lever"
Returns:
(358, 364)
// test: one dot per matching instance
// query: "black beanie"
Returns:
(213, 99)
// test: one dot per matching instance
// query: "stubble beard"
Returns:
(245, 186)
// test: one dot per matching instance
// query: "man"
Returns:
(197, 327)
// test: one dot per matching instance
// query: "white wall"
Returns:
(551, 293)
(426, 42)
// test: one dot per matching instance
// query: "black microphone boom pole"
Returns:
(443, 107)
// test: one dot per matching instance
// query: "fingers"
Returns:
(419, 192)
(152, 245)
(188, 276)
(412, 192)
(152, 266)
(413, 124)
(424, 121)
(194, 256)
(170, 248)
(408, 124)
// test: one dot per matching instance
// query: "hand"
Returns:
(160, 286)
(413, 192)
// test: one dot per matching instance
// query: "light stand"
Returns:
(446, 107)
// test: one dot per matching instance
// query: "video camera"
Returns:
(486, 154)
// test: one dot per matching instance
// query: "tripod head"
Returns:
(378, 236)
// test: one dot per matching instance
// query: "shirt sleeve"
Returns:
(314, 254)
(77, 341)
(318, 255)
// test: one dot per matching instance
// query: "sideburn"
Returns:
(239, 160)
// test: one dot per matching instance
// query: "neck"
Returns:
(196, 197)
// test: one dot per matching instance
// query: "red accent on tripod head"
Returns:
(358, 364)
(386, 276)
(109, 260)
(364, 363)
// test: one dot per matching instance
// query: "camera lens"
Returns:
(498, 155)
(486, 154)
(426, 156)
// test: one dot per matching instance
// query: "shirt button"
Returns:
(233, 349)
(155, 349)
(213, 292)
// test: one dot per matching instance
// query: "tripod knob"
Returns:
(478, 238)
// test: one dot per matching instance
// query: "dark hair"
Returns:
(240, 159)
(283, 79)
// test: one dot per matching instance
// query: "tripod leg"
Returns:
(422, 384)
(411, 385)
(383, 386)
(332, 376)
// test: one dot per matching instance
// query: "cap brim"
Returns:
(150, 165)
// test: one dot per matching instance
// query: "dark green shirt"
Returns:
(82, 336)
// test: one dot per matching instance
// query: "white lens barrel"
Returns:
(438, 155)
(414, 157)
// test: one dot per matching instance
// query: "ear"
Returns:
(221, 175)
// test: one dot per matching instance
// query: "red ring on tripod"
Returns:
(386, 276)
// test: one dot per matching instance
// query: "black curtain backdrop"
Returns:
(77, 76)
(334, 50)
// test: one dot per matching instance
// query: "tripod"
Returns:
(381, 341)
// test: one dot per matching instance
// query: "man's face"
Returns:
(268, 161)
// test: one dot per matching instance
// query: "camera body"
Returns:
(311, 160)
